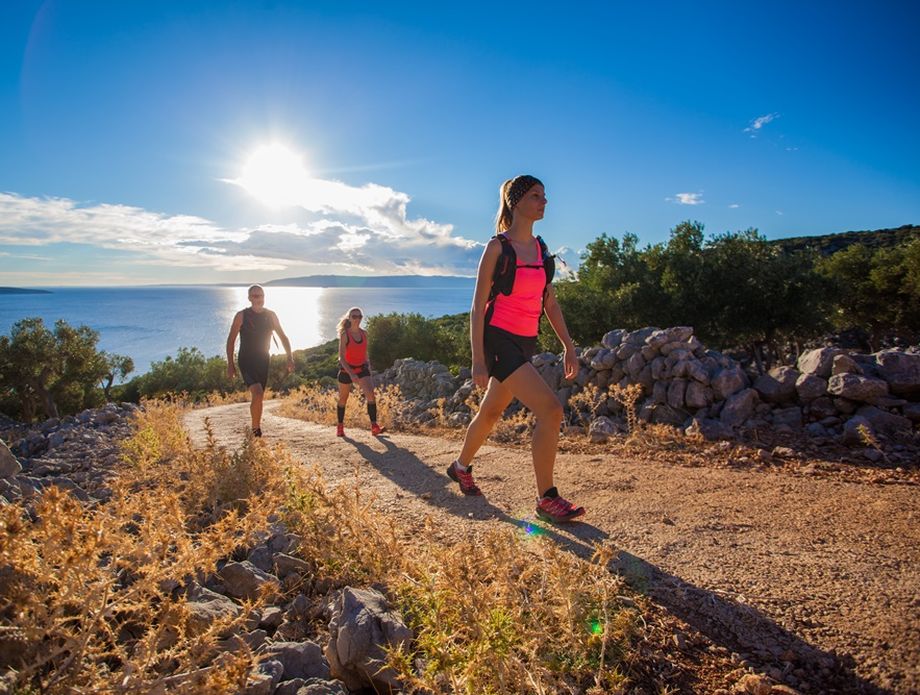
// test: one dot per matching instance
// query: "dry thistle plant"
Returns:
(628, 396)
(869, 439)
(585, 404)
(89, 593)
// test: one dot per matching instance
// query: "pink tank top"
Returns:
(519, 312)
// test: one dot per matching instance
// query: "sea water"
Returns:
(150, 323)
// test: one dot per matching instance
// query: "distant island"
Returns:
(408, 281)
(21, 290)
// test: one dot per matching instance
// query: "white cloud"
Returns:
(759, 123)
(735, 205)
(365, 229)
(687, 199)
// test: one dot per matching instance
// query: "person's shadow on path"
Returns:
(738, 627)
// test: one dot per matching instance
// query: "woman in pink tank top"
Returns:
(503, 337)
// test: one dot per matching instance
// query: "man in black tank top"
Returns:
(255, 326)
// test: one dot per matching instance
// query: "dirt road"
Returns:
(814, 580)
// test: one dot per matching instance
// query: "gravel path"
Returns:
(814, 580)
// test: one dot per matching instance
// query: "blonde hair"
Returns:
(345, 321)
(509, 194)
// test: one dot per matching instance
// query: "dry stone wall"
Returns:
(829, 393)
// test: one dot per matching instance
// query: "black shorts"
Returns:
(505, 351)
(254, 369)
(361, 372)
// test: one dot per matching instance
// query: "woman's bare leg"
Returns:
(493, 404)
(530, 389)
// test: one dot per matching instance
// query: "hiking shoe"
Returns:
(257, 432)
(465, 478)
(558, 509)
(340, 430)
(376, 429)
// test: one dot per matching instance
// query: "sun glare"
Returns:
(275, 175)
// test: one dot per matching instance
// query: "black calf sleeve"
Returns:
(340, 413)
(372, 411)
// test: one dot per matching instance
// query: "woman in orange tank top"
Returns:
(355, 368)
(503, 336)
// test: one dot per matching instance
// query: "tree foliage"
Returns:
(392, 336)
(876, 289)
(734, 288)
(53, 371)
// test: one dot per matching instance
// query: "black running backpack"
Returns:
(506, 267)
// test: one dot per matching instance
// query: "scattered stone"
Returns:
(362, 625)
(778, 385)
(844, 364)
(709, 429)
(901, 370)
(9, 465)
(883, 421)
(809, 387)
(246, 581)
(299, 659)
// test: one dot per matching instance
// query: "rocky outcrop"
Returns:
(78, 453)
(689, 386)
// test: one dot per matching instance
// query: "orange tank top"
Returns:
(355, 350)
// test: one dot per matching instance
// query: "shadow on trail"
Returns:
(736, 626)
(405, 469)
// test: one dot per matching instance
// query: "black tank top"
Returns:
(256, 332)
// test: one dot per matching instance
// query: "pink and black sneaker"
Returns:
(465, 478)
(552, 507)
(340, 430)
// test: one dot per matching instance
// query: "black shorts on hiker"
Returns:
(505, 351)
(254, 369)
(361, 372)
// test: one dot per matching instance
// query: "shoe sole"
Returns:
(559, 519)
(453, 476)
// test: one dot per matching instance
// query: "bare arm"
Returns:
(554, 314)
(231, 342)
(478, 312)
(276, 325)
(343, 363)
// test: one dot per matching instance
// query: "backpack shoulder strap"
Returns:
(549, 261)
(505, 267)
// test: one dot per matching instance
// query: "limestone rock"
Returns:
(777, 385)
(9, 465)
(809, 387)
(901, 370)
(728, 381)
(857, 388)
(362, 625)
(856, 430)
(697, 395)
(613, 338)
(789, 417)
(883, 421)
(844, 364)
(739, 407)
(709, 429)
(244, 580)
(300, 659)
(818, 362)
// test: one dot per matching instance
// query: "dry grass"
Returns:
(91, 600)
(87, 592)
(318, 404)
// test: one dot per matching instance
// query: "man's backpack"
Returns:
(506, 267)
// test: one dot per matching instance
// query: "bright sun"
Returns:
(274, 175)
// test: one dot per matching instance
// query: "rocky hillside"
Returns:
(828, 244)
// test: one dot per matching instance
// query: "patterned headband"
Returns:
(518, 187)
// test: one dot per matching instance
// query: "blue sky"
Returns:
(128, 130)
